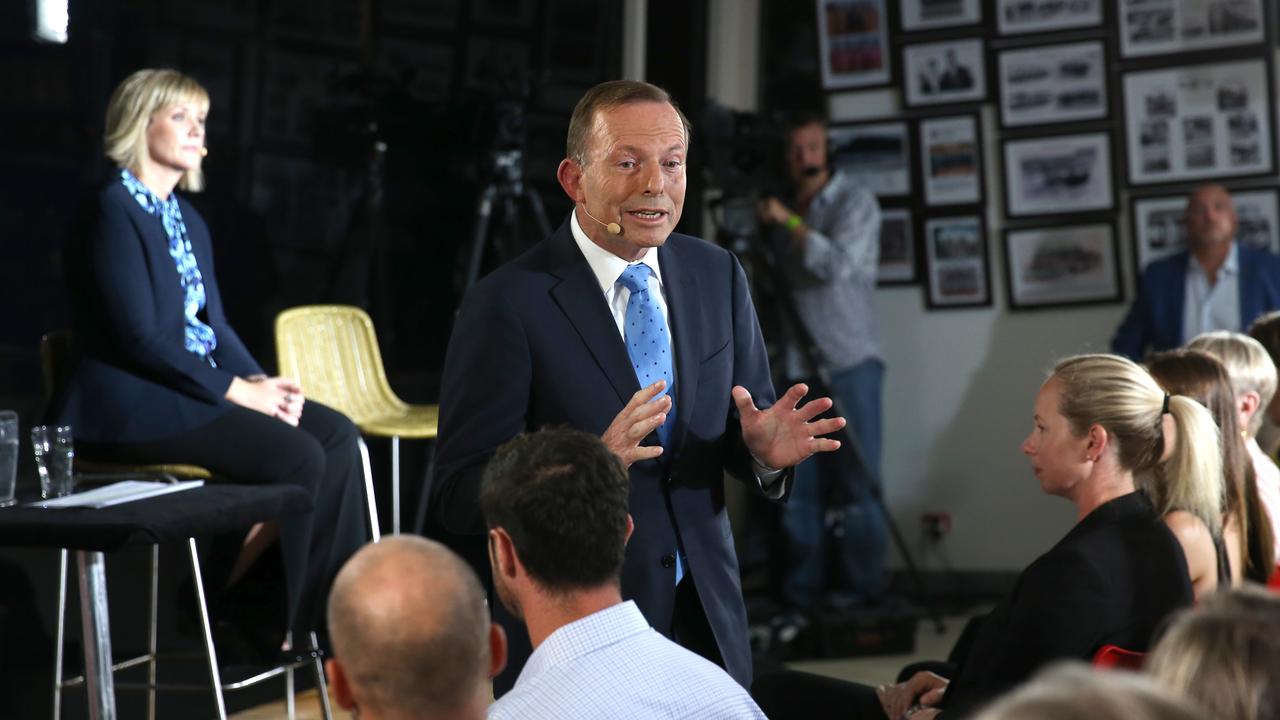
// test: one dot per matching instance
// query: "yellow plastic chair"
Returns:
(332, 351)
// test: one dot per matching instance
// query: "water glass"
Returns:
(55, 455)
(8, 457)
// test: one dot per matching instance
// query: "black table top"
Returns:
(163, 519)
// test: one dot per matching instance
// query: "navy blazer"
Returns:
(1112, 580)
(134, 380)
(1155, 319)
(536, 345)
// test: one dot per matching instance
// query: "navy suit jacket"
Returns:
(134, 380)
(1155, 319)
(535, 345)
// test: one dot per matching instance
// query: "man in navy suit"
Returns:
(1216, 284)
(546, 340)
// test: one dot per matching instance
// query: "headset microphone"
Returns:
(613, 228)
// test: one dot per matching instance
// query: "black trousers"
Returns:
(320, 456)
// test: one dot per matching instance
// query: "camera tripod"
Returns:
(505, 187)
(740, 241)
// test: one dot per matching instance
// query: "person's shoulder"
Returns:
(691, 249)
(513, 278)
(1251, 256)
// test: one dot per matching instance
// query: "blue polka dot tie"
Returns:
(649, 345)
(648, 341)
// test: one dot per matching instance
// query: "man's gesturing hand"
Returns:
(634, 423)
(783, 435)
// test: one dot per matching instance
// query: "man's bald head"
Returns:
(410, 629)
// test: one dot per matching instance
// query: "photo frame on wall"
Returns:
(1062, 265)
(1159, 231)
(935, 14)
(938, 73)
(1058, 174)
(1052, 83)
(897, 247)
(956, 262)
(874, 155)
(951, 160)
(1016, 17)
(1199, 121)
(853, 38)
(1175, 26)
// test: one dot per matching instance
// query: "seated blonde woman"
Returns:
(1253, 377)
(1074, 691)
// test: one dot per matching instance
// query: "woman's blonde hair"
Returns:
(1248, 364)
(129, 112)
(1072, 691)
(1117, 394)
(1225, 654)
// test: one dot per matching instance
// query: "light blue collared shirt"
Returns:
(1212, 307)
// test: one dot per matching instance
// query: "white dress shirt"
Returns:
(611, 664)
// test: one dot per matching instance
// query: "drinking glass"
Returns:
(8, 456)
(55, 456)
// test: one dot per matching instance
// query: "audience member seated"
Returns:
(1098, 421)
(1070, 691)
(411, 634)
(1266, 330)
(556, 505)
(1225, 655)
(162, 378)
(1245, 547)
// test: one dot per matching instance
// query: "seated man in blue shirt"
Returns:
(1215, 284)
(555, 502)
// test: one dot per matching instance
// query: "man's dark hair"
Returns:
(792, 120)
(609, 95)
(562, 497)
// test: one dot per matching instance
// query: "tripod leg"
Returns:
(484, 211)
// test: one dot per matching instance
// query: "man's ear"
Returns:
(631, 526)
(504, 553)
(570, 176)
(340, 684)
(497, 649)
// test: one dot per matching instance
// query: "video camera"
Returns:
(741, 150)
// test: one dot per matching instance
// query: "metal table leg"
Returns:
(97, 635)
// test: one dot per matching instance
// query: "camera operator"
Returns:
(826, 236)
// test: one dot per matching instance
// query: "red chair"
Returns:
(1114, 656)
(1274, 582)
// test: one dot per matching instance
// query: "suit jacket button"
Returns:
(668, 561)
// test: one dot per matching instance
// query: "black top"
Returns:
(1111, 581)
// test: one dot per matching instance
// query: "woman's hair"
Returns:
(1117, 394)
(1199, 375)
(129, 112)
(1073, 691)
(1225, 655)
(1248, 364)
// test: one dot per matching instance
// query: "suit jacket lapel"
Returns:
(579, 298)
(681, 285)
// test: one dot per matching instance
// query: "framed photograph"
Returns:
(1016, 17)
(1062, 265)
(1059, 174)
(854, 41)
(933, 14)
(956, 262)
(1199, 121)
(937, 73)
(897, 247)
(1174, 26)
(1053, 83)
(951, 158)
(1159, 230)
(874, 155)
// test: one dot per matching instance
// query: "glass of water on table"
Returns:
(55, 457)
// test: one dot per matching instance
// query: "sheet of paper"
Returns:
(118, 493)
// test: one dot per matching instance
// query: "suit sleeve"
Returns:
(751, 370)
(1135, 332)
(484, 400)
(124, 281)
